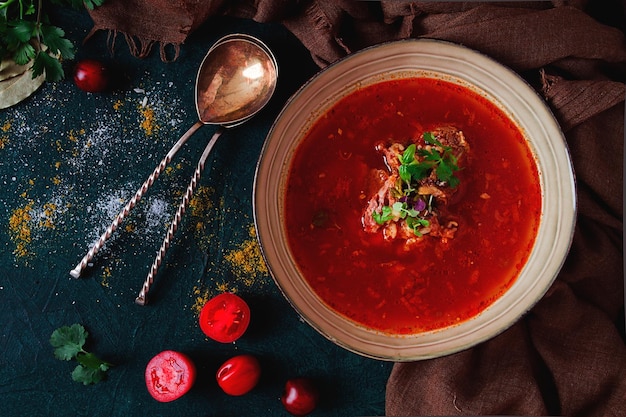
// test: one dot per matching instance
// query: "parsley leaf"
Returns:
(87, 375)
(431, 139)
(69, 342)
(445, 164)
(26, 35)
(53, 38)
(23, 53)
(44, 62)
(22, 31)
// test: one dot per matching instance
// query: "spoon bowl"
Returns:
(236, 79)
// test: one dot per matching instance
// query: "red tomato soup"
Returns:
(386, 284)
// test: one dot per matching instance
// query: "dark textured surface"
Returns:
(71, 160)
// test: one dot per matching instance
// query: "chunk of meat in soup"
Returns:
(436, 192)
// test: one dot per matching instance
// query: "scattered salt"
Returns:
(83, 145)
(157, 213)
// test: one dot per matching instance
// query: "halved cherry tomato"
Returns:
(299, 396)
(225, 317)
(239, 374)
(169, 375)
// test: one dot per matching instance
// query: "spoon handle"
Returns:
(142, 297)
(76, 272)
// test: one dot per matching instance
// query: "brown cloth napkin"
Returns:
(144, 23)
(567, 356)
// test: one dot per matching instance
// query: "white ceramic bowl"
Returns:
(457, 64)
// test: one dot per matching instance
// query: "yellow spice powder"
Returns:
(201, 201)
(201, 295)
(199, 206)
(4, 140)
(106, 274)
(49, 212)
(74, 134)
(148, 122)
(19, 229)
(247, 260)
(169, 170)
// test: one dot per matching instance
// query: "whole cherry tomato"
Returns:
(239, 374)
(169, 375)
(300, 396)
(91, 75)
(225, 317)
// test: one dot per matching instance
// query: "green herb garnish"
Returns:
(415, 165)
(384, 216)
(445, 164)
(26, 35)
(69, 342)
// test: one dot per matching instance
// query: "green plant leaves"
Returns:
(417, 164)
(68, 342)
(27, 35)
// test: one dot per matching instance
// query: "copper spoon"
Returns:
(236, 79)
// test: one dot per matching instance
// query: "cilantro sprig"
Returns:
(27, 35)
(69, 342)
(417, 164)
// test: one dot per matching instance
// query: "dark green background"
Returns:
(85, 156)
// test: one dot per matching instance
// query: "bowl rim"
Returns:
(376, 344)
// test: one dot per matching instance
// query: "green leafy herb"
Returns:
(384, 216)
(68, 343)
(411, 170)
(26, 35)
(415, 165)
(445, 164)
